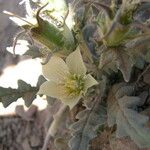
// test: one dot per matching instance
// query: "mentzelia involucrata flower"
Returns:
(66, 81)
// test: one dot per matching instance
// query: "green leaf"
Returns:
(41, 80)
(85, 129)
(68, 38)
(23, 86)
(122, 111)
(107, 61)
(33, 51)
(139, 50)
(29, 92)
(47, 33)
(124, 63)
(29, 97)
(8, 96)
(117, 90)
(51, 36)
(26, 91)
(114, 59)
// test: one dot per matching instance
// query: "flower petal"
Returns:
(75, 63)
(51, 89)
(71, 102)
(89, 82)
(56, 69)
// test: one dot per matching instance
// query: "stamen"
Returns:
(74, 85)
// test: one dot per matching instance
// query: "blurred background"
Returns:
(18, 67)
(21, 128)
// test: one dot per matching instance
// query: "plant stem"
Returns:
(52, 131)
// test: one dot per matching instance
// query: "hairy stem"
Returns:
(52, 131)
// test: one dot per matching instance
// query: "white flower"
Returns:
(68, 80)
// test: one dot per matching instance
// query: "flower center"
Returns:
(74, 85)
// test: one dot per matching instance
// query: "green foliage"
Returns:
(51, 36)
(116, 59)
(85, 129)
(124, 43)
(89, 120)
(139, 49)
(34, 52)
(54, 37)
(122, 110)
(24, 90)
(112, 38)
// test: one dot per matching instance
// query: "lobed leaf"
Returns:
(45, 32)
(114, 59)
(51, 35)
(85, 129)
(34, 52)
(26, 91)
(124, 64)
(122, 111)
(107, 61)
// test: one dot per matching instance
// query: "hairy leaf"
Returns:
(124, 64)
(122, 111)
(26, 91)
(89, 120)
(51, 35)
(107, 61)
(118, 91)
(116, 58)
(139, 50)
